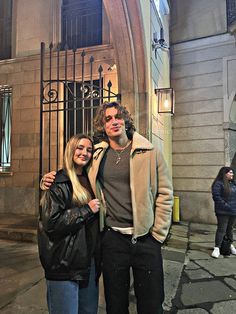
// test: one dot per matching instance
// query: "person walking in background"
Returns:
(132, 176)
(68, 234)
(224, 196)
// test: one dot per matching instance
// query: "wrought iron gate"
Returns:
(68, 101)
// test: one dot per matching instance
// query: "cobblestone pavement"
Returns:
(194, 282)
(207, 285)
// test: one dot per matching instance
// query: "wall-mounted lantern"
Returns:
(165, 100)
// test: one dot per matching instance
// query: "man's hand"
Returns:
(47, 180)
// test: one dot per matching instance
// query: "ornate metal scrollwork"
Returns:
(89, 91)
(50, 93)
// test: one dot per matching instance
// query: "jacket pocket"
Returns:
(69, 252)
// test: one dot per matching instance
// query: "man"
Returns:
(131, 179)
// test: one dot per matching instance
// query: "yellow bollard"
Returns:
(175, 214)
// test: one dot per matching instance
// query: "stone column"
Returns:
(128, 41)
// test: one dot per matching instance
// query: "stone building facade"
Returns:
(125, 53)
(203, 74)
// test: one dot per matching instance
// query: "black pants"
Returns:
(144, 257)
(225, 226)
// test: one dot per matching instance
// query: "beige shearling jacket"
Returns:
(151, 188)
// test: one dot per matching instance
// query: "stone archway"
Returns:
(127, 32)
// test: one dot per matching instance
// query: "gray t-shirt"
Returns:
(115, 179)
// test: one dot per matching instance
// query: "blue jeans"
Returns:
(67, 297)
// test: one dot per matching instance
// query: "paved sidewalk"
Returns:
(194, 282)
(207, 285)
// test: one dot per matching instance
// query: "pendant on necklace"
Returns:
(118, 160)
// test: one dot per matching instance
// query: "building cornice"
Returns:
(203, 43)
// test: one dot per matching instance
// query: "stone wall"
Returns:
(19, 189)
(200, 130)
(191, 19)
(160, 125)
(34, 22)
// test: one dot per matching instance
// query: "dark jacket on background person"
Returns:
(224, 205)
(68, 235)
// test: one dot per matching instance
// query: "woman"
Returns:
(224, 196)
(68, 235)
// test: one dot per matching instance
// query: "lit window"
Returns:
(5, 127)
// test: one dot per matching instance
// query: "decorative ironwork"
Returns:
(68, 100)
(50, 94)
(89, 91)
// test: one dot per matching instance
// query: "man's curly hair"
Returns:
(99, 121)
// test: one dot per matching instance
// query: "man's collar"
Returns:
(138, 142)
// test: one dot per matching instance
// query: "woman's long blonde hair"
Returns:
(80, 195)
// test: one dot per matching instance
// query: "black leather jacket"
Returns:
(68, 236)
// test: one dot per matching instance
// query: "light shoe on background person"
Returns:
(216, 252)
(232, 249)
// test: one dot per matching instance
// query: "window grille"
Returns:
(81, 23)
(5, 127)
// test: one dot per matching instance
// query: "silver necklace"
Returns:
(119, 152)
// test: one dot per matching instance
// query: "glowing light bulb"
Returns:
(166, 104)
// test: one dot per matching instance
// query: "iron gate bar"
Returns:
(50, 87)
(42, 51)
(74, 87)
(58, 76)
(91, 60)
(100, 69)
(83, 55)
(66, 126)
